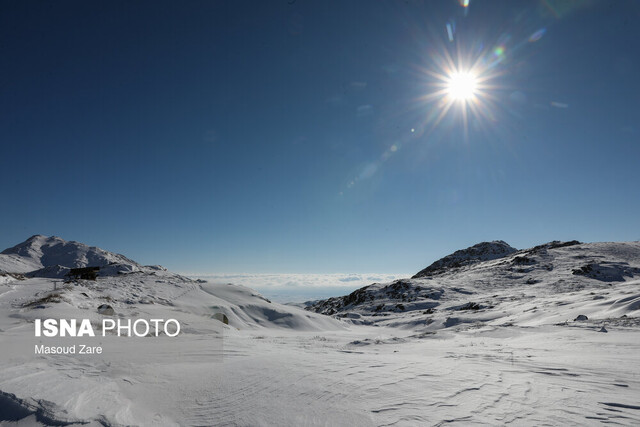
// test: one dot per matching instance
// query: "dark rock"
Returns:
(221, 317)
(84, 273)
(553, 245)
(106, 309)
(606, 271)
(470, 306)
(523, 260)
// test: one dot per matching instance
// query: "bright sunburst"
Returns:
(462, 86)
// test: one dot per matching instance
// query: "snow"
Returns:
(14, 263)
(490, 342)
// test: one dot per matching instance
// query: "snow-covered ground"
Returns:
(487, 341)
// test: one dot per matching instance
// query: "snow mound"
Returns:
(484, 251)
(245, 308)
(52, 272)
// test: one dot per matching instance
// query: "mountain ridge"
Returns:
(483, 251)
(484, 290)
(54, 257)
(128, 286)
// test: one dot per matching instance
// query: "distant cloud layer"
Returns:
(300, 287)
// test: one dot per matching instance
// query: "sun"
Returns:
(463, 89)
(462, 85)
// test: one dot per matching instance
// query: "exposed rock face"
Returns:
(554, 245)
(484, 251)
(221, 317)
(396, 296)
(106, 310)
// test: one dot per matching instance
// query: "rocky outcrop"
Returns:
(484, 251)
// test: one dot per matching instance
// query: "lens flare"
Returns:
(537, 35)
(463, 89)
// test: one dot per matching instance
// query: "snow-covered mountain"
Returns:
(49, 251)
(53, 257)
(493, 282)
(488, 336)
(125, 283)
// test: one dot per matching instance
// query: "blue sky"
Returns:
(299, 136)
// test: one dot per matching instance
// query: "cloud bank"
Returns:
(289, 287)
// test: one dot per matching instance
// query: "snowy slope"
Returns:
(13, 263)
(485, 342)
(545, 284)
(246, 308)
(115, 388)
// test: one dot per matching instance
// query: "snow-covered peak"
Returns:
(33, 246)
(484, 251)
(42, 251)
